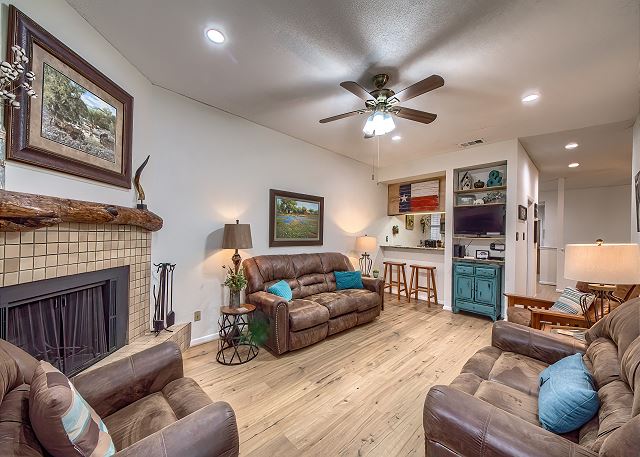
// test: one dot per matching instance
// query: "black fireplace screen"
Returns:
(77, 321)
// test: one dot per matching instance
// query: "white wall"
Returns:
(206, 169)
(526, 254)
(589, 214)
(63, 22)
(635, 167)
(209, 168)
(510, 151)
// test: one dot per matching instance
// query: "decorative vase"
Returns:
(234, 298)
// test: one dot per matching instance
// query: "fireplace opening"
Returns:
(71, 322)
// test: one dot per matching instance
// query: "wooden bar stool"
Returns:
(430, 289)
(388, 277)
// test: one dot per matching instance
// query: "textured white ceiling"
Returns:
(604, 154)
(283, 61)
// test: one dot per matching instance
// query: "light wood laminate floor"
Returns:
(357, 393)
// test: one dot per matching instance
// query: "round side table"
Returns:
(236, 345)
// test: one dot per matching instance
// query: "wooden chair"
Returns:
(534, 312)
(415, 287)
(401, 286)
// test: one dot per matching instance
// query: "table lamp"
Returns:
(603, 266)
(366, 244)
(236, 236)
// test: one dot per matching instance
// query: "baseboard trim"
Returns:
(204, 339)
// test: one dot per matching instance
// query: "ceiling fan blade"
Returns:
(340, 116)
(417, 116)
(419, 88)
(356, 89)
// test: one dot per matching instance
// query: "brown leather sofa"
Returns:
(491, 408)
(149, 408)
(317, 309)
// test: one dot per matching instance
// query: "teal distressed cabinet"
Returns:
(477, 288)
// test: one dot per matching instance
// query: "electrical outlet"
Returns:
(196, 316)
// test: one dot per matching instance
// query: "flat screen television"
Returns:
(479, 220)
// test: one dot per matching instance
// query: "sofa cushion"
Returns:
(139, 420)
(342, 323)
(308, 336)
(63, 421)
(517, 371)
(520, 316)
(185, 396)
(571, 300)
(281, 289)
(604, 365)
(511, 400)
(16, 434)
(568, 398)
(305, 314)
(337, 304)
(348, 280)
(365, 298)
(621, 326)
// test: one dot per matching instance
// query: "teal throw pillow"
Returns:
(281, 289)
(567, 399)
(348, 280)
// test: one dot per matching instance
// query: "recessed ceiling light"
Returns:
(571, 146)
(530, 98)
(574, 164)
(396, 138)
(215, 35)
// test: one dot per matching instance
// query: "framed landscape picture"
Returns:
(295, 219)
(80, 123)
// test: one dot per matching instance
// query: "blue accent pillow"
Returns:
(567, 399)
(281, 289)
(348, 280)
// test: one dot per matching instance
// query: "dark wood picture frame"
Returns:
(24, 32)
(522, 212)
(273, 194)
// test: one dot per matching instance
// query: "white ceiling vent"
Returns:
(466, 144)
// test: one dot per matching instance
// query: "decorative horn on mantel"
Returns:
(21, 212)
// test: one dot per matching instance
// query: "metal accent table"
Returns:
(236, 345)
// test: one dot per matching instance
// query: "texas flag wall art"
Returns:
(419, 197)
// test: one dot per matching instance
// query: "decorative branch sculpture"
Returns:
(138, 186)
(24, 212)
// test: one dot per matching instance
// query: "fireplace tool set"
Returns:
(163, 315)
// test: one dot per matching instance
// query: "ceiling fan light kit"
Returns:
(383, 103)
(379, 123)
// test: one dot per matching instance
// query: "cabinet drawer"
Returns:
(486, 272)
(464, 269)
(475, 307)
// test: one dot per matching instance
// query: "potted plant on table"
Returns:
(235, 281)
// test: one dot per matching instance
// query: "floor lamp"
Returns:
(603, 266)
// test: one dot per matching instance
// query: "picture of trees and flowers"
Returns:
(81, 123)
(296, 219)
(74, 116)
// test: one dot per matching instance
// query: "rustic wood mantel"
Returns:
(21, 212)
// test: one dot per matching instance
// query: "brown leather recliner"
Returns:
(317, 309)
(149, 408)
(491, 408)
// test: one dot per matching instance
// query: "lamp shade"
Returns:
(603, 263)
(366, 243)
(236, 236)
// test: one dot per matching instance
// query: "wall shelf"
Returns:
(484, 204)
(468, 237)
(482, 189)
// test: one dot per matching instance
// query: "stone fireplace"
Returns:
(45, 241)
(72, 248)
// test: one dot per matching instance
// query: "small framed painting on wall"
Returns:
(522, 213)
(295, 219)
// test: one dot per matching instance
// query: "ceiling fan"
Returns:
(383, 104)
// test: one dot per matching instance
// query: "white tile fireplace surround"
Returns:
(72, 248)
